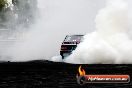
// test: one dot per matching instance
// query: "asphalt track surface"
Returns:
(45, 74)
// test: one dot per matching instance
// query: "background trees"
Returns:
(17, 17)
(3, 3)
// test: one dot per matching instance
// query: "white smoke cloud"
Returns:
(130, 16)
(110, 43)
(55, 19)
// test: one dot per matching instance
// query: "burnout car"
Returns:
(69, 44)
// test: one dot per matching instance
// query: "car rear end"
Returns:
(69, 44)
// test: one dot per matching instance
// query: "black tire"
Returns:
(62, 55)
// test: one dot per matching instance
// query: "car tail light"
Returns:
(63, 48)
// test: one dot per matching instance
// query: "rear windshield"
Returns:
(73, 38)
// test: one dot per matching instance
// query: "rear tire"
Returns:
(62, 56)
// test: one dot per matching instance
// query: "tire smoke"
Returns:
(111, 42)
(54, 19)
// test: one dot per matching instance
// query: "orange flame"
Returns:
(81, 71)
